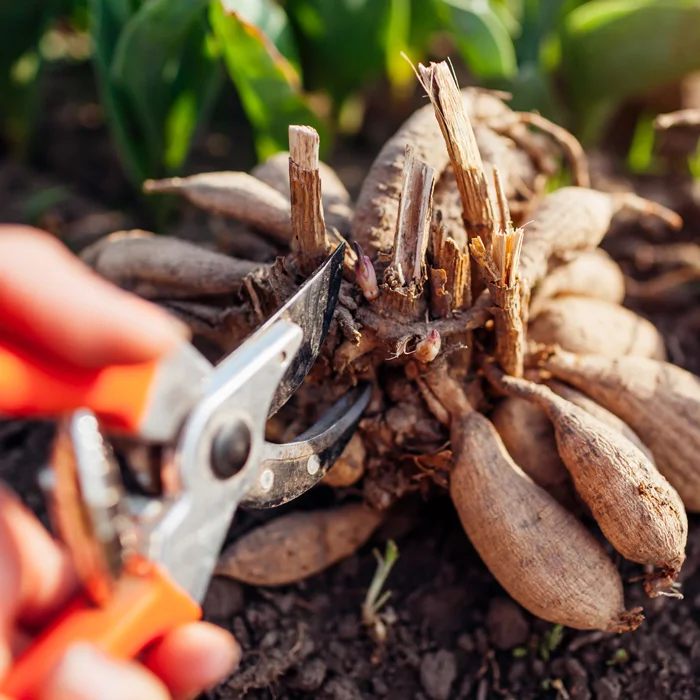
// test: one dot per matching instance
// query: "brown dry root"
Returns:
(639, 512)
(683, 117)
(590, 273)
(537, 550)
(233, 195)
(298, 545)
(593, 326)
(573, 219)
(658, 400)
(602, 414)
(568, 142)
(528, 436)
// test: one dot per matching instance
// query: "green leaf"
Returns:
(397, 40)
(21, 25)
(272, 20)
(482, 38)
(345, 42)
(540, 18)
(160, 43)
(107, 20)
(268, 85)
(195, 90)
(613, 49)
(425, 22)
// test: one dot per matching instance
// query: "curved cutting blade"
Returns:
(311, 307)
(291, 469)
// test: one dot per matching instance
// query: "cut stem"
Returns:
(477, 210)
(310, 243)
(499, 268)
(406, 274)
(439, 83)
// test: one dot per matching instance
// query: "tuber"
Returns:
(298, 545)
(233, 195)
(350, 466)
(580, 399)
(528, 436)
(591, 273)
(593, 326)
(658, 400)
(639, 512)
(539, 552)
(575, 218)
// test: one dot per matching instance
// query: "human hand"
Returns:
(54, 306)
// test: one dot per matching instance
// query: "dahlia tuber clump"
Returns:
(465, 282)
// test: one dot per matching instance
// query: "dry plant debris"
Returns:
(504, 366)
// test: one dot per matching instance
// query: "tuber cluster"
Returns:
(482, 308)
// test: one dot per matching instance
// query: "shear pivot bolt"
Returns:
(313, 465)
(231, 449)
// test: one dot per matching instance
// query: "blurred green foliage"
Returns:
(160, 64)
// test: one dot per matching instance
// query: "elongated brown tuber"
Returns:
(152, 266)
(596, 327)
(582, 401)
(572, 219)
(233, 195)
(539, 552)
(639, 512)
(658, 400)
(298, 545)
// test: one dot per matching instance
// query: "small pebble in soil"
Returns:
(573, 672)
(506, 624)
(607, 689)
(309, 676)
(341, 689)
(438, 671)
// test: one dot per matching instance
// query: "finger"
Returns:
(51, 300)
(36, 575)
(85, 673)
(194, 658)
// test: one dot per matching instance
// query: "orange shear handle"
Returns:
(31, 386)
(146, 605)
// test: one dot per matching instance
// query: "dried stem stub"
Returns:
(441, 87)
(406, 274)
(450, 274)
(499, 268)
(310, 243)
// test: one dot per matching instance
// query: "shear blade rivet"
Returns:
(313, 465)
(266, 480)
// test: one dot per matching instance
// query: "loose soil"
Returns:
(452, 631)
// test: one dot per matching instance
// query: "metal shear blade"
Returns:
(291, 469)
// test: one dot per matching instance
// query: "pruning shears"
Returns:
(145, 561)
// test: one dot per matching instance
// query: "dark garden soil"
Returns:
(452, 631)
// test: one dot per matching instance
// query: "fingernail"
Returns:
(84, 673)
